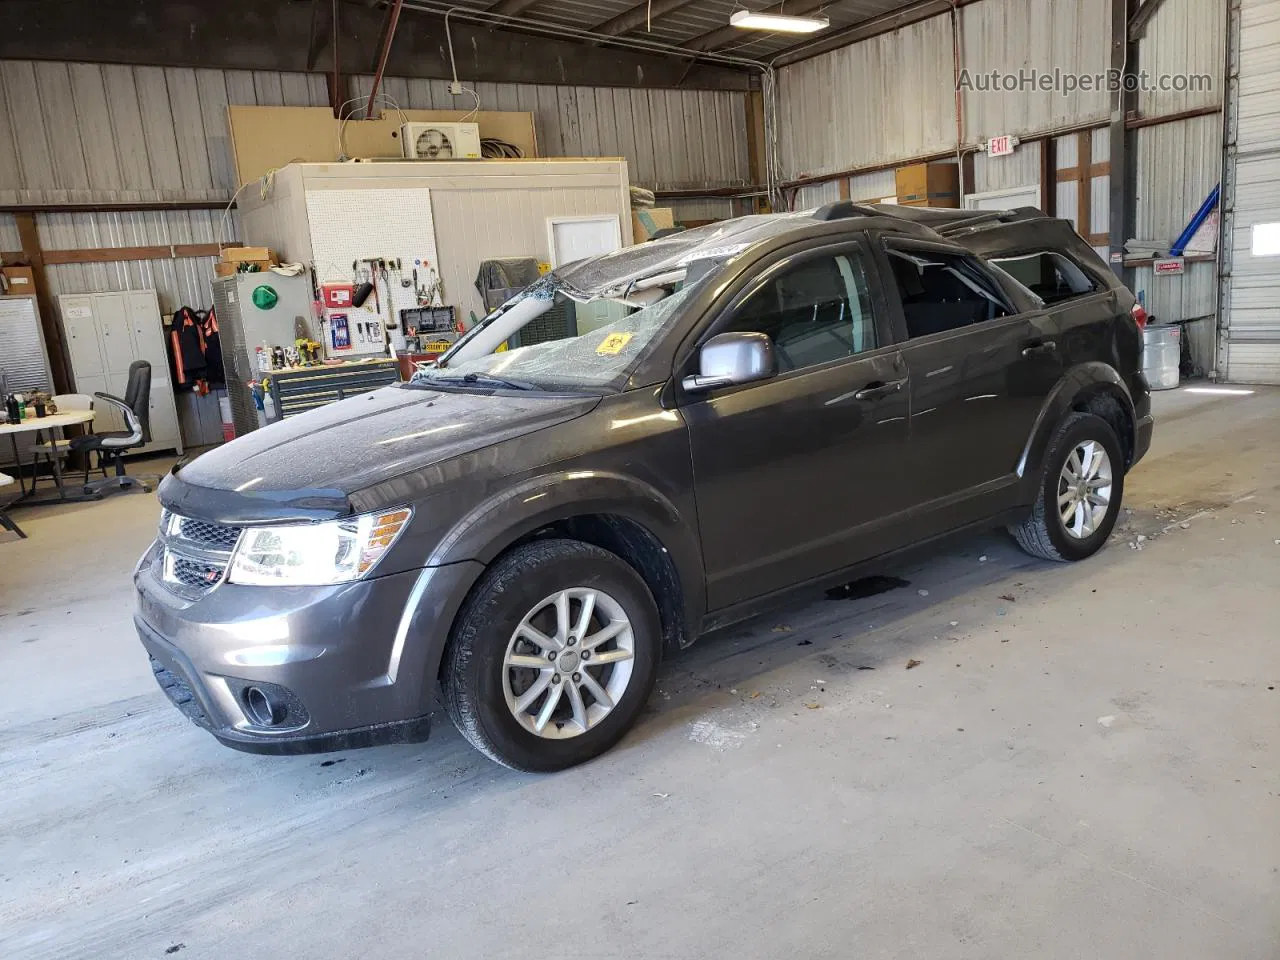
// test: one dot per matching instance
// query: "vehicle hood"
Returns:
(308, 465)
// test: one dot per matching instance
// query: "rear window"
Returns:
(1050, 276)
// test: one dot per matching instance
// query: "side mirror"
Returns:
(729, 359)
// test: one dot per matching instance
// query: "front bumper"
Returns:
(354, 664)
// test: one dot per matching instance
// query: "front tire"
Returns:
(1080, 492)
(553, 656)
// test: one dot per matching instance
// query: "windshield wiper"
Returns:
(486, 379)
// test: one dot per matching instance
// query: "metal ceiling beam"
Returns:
(321, 30)
(388, 37)
(636, 17)
(512, 8)
(252, 35)
(723, 36)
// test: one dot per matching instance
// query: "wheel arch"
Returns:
(1093, 387)
(615, 512)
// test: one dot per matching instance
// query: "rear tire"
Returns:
(1084, 465)
(527, 678)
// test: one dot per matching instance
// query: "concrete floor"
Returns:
(1084, 764)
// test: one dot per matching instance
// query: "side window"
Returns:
(815, 312)
(1050, 276)
(944, 291)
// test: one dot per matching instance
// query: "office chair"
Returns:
(6, 522)
(111, 446)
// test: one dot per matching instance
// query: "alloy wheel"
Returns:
(1084, 489)
(568, 663)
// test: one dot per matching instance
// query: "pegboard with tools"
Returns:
(380, 241)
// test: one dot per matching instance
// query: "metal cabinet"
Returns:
(105, 333)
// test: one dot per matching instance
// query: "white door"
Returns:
(576, 238)
(1249, 334)
(82, 338)
(1009, 199)
(114, 327)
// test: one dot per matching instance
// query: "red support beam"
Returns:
(393, 18)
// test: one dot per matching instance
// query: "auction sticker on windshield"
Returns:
(613, 343)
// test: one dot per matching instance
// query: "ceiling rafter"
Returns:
(512, 8)
(648, 11)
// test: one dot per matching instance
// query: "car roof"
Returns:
(611, 273)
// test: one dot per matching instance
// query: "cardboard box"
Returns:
(646, 221)
(928, 185)
(239, 254)
(228, 268)
(19, 280)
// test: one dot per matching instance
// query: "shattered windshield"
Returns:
(546, 340)
(586, 326)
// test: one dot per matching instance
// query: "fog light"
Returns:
(263, 709)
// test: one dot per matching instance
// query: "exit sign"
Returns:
(1001, 146)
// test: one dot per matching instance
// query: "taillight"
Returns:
(1139, 316)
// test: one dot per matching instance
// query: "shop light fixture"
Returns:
(778, 22)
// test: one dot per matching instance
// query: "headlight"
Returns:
(316, 554)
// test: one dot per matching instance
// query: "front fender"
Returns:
(496, 523)
(1078, 385)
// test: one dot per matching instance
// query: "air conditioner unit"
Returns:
(440, 141)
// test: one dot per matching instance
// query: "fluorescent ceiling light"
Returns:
(1223, 391)
(778, 22)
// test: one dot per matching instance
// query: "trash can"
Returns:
(1161, 354)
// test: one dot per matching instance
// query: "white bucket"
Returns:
(1161, 354)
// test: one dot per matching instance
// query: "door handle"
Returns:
(1040, 348)
(874, 391)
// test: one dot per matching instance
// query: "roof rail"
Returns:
(843, 209)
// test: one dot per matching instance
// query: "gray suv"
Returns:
(640, 448)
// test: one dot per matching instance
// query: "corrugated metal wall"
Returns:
(1032, 35)
(671, 139)
(1022, 169)
(885, 99)
(1184, 37)
(95, 133)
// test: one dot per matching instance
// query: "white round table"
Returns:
(38, 425)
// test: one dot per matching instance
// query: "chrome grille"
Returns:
(195, 554)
